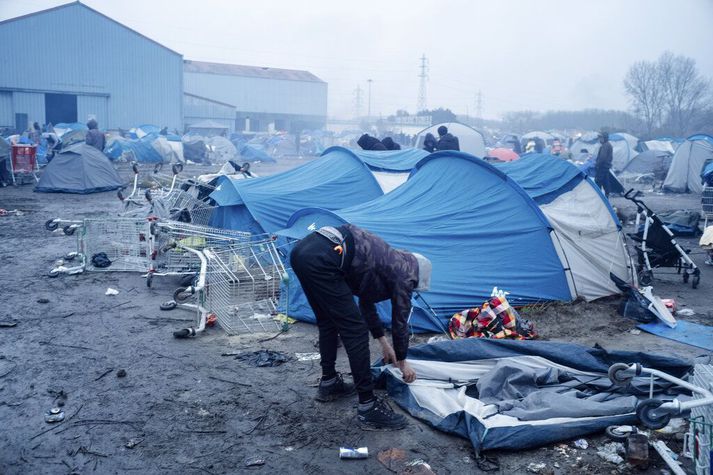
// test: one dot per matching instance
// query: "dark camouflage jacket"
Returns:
(379, 272)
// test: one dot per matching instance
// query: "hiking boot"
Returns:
(380, 416)
(335, 390)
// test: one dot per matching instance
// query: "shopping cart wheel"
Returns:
(53, 273)
(646, 412)
(616, 376)
(183, 293)
(51, 225)
(188, 280)
(149, 280)
(619, 433)
(170, 305)
(135, 168)
(68, 230)
(185, 333)
(177, 168)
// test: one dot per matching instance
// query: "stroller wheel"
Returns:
(646, 411)
(696, 280)
(646, 277)
(685, 276)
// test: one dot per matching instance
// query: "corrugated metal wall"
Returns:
(92, 106)
(73, 49)
(32, 104)
(260, 95)
(7, 118)
(196, 109)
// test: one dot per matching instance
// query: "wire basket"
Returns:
(125, 241)
(243, 283)
(699, 439)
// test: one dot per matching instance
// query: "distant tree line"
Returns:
(669, 95)
(588, 119)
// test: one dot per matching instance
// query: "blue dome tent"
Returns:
(478, 227)
(339, 178)
(80, 169)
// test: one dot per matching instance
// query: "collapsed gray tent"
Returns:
(81, 169)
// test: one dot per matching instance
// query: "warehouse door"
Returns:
(60, 108)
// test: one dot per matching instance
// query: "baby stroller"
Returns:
(656, 246)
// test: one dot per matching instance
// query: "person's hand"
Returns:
(408, 373)
(388, 351)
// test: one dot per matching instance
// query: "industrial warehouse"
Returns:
(309, 237)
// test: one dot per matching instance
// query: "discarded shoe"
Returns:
(380, 416)
(336, 390)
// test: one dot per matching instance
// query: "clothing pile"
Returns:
(494, 319)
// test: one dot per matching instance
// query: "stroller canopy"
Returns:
(521, 394)
(477, 237)
(688, 163)
(582, 218)
(79, 169)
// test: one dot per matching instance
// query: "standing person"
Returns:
(335, 264)
(603, 163)
(95, 137)
(446, 140)
(35, 134)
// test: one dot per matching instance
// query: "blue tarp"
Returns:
(707, 173)
(333, 181)
(554, 408)
(478, 227)
(254, 154)
(140, 150)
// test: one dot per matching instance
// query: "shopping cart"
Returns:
(110, 244)
(656, 413)
(23, 164)
(171, 238)
(699, 439)
(707, 203)
(239, 285)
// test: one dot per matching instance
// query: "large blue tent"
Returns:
(478, 227)
(338, 179)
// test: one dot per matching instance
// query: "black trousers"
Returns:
(317, 266)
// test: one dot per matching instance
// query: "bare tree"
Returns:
(643, 83)
(686, 91)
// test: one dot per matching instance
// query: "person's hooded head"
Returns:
(92, 124)
(442, 130)
(36, 126)
(603, 137)
(429, 142)
(390, 144)
(424, 272)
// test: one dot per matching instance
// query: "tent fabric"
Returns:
(62, 128)
(649, 161)
(586, 226)
(222, 148)
(503, 154)
(403, 160)
(453, 392)
(79, 169)
(688, 163)
(477, 237)
(471, 141)
(337, 179)
(251, 153)
(139, 150)
(657, 146)
(623, 147)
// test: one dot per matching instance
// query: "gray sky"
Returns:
(522, 54)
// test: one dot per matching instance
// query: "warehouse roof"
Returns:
(249, 71)
(78, 3)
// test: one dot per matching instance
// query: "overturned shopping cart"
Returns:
(238, 285)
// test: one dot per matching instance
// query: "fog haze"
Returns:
(544, 55)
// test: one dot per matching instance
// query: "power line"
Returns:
(422, 103)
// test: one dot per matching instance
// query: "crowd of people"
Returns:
(445, 141)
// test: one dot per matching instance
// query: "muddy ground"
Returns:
(188, 406)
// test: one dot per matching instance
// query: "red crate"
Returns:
(24, 158)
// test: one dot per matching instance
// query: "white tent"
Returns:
(471, 141)
(688, 162)
(658, 145)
